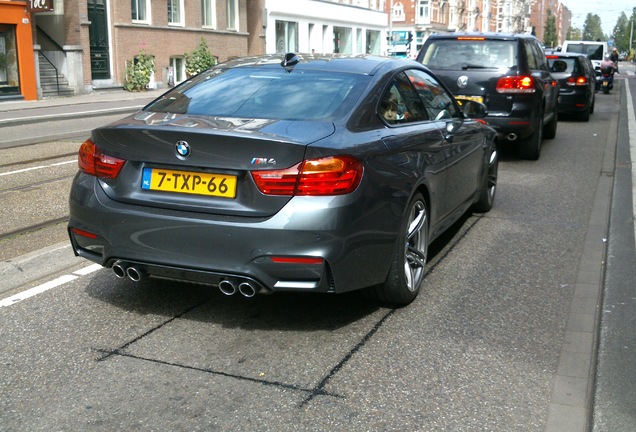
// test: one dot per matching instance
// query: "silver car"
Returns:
(285, 173)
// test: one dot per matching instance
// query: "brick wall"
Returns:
(164, 41)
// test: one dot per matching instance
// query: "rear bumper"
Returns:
(574, 101)
(517, 124)
(342, 255)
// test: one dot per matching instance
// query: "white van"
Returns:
(595, 50)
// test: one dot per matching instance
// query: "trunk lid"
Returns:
(200, 163)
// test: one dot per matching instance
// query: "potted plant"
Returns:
(199, 60)
(139, 71)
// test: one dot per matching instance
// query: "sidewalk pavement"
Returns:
(88, 98)
(101, 102)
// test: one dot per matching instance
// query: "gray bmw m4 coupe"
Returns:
(285, 173)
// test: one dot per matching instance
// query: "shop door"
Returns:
(98, 35)
(9, 75)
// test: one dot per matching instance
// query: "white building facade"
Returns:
(307, 26)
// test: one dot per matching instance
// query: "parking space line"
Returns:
(9, 301)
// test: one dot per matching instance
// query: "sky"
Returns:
(607, 10)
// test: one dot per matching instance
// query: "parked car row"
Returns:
(316, 173)
(524, 90)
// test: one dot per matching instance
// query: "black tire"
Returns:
(550, 130)
(489, 186)
(409, 258)
(605, 89)
(530, 148)
(585, 115)
(592, 107)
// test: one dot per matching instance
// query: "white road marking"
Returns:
(9, 301)
(631, 122)
(38, 167)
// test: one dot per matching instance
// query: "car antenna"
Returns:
(290, 61)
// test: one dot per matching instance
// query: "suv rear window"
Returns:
(593, 51)
(462, 54)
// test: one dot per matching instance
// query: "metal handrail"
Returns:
(57, 74)
(51, 40)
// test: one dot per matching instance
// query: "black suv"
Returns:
(509, 73)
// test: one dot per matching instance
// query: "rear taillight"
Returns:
(336, 175)
(516, 84)
(92, 161)
(577, 81)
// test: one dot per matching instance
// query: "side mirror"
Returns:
(474, 109)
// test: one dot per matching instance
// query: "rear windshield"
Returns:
(457, 54)
(572, 64)
(593, 51)
(269, 93)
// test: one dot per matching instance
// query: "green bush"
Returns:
(138, 72)
(3, 61)
(200, 59)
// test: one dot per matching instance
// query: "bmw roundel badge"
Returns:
(183, 149)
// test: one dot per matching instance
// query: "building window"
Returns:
(373, 42)
(208, 12)
(342, 40)
(286, 36)
(423, 10)
(140, 11)
(176, 71)
(232, 14)
(398, 12)
(175, 12)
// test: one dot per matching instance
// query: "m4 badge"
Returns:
(263, 161)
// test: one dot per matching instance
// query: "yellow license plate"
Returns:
(200, 183)
(460, 99)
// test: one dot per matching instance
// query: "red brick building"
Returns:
(90, 41)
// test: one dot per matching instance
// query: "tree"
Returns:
(550, 37)
(621, 33)
(592, 29)
(574, 33)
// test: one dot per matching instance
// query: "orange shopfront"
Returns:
(17, 67)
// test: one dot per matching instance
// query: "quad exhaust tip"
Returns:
(229, 286)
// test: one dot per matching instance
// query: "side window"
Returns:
(401, 103)
(542, 62)
(530, 54)
(437, 102)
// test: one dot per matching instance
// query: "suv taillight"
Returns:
(335, 175)
(577, 81)
(92, 161)
(516, 84)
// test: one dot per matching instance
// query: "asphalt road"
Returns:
(504, 335)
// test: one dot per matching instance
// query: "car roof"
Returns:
(358, 64)
(564, 54)
(486, 35)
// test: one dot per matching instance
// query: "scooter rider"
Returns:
(609, 67)
(607, 63)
